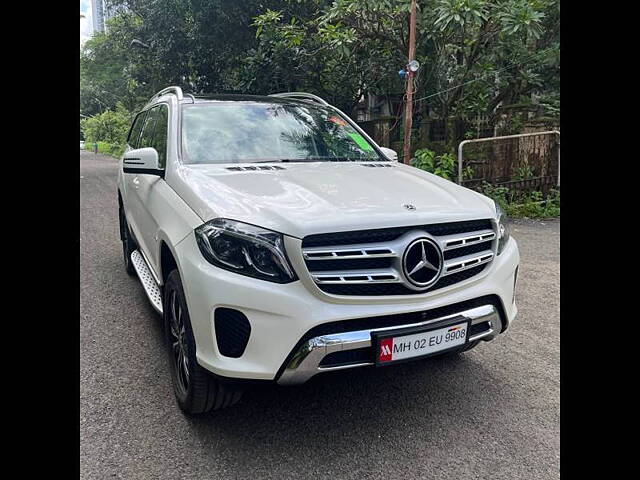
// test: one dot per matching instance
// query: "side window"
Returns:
(146, 139)
(136, 128)
(160, 134)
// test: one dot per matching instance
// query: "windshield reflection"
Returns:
(262, 132)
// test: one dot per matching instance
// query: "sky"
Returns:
(86, 24)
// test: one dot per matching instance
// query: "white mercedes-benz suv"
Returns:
(279, 241)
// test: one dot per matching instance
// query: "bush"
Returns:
(109, 127)
(515, 204)
(444, 165)
(524, 205)
(112, 149)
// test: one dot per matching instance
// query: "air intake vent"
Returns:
(232, 332)
(378, 165)
(256, 168)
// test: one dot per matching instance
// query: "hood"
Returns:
(300, 199)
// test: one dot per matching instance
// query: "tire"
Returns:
(196, 390)
(128, 244)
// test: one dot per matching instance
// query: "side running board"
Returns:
(149, 284)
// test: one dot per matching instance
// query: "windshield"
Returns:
(262, 132)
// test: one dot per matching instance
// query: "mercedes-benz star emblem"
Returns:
(422, 262)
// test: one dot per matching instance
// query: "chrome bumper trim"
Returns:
(305, 363)
(481, 335)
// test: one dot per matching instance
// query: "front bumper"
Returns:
(282, 314)
(308, 358)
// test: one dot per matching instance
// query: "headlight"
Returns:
(503, 228)
(245, 249)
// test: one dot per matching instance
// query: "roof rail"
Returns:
(176, 90)
(301, 96)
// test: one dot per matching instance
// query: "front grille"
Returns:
(379, 289)
(462, 251)
(321, 265)
(369, 262)
(386, 234)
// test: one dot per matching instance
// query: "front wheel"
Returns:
(196, 390)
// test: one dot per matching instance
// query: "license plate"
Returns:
(392, 347)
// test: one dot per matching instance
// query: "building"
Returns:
(100, 13)
(97, 14)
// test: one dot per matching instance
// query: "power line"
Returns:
(527, 59)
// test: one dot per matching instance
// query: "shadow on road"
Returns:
(377, 408)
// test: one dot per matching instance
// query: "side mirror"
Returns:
(390, 154)
(142, 160)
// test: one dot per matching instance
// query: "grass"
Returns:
(105, 148)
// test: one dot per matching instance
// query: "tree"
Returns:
(475, 54)
(194, 43)
(111, 126)
(326, 48)
(110, 69)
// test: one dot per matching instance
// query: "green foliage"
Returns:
(114, 150)
(523, 15)
(110, 127)
(199, 45)
(550, 103)
(524, 205)
(323, 47)
(509, 46)
(515, 204)
(523, 172)
(455, 13)
(110, 69)
(475, 54)
(444, 165)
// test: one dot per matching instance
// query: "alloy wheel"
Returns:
(178, 338)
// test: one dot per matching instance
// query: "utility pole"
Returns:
(408, 113)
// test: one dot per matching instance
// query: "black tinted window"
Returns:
(136, 128)
(160, 134)
(146, 139)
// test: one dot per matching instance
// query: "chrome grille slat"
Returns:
(469, 261)
(357, 268)
(348, 252)
(457, 241)
(355, 277)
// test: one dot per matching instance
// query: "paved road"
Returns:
(492, 413)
